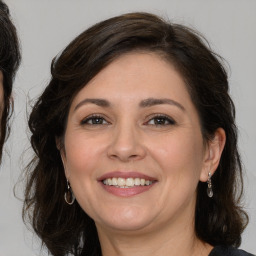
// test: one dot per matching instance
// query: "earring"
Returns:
(209, 189)
(69, 196)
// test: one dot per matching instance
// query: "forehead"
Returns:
(144, 70)
(136, 74)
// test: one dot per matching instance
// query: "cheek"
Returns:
(179, 155)
(81, 154)
(81, 167)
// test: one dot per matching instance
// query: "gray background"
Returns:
(45, 27)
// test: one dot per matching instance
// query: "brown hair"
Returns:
(9, 62)
(64, 229)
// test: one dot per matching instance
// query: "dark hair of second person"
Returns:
(219, 220)
(9, 62)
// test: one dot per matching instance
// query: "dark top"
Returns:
(228, 251)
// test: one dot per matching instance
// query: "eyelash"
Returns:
(90, 119)
(160, 118)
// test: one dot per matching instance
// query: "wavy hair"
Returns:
(10, 58)
(64, 229)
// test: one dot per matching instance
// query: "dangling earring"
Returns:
(209, 189)
(69, 196)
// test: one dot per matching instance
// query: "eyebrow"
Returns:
(143, 104)
(153, 101)
(98, 102)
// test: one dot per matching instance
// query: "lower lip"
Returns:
(127, 192)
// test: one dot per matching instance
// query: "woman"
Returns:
(9, 63)
(136, 146)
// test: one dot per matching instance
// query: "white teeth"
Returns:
(129, 182)
(126, 183)
(114, 181)
(137, 181)
(120, 182)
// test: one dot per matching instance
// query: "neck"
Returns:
(180, 241)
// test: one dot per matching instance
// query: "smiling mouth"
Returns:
(127, 183)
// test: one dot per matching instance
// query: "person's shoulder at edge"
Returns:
(228, 251)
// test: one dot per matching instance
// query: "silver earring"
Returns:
(209, 188)
(69, 196)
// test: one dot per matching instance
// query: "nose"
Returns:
(126, 144)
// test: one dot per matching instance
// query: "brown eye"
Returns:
(94, 120)
(161, 120)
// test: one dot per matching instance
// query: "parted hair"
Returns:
(67, 229)
(9, 62)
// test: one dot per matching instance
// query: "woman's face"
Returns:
(134, 151)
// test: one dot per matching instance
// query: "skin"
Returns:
(129, 136)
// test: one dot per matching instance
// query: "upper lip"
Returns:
(125, 175)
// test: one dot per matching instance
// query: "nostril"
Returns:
(134, 156)
(126, 146)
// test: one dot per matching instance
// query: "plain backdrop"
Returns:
(46, 27)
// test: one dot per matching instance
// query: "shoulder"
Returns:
(228, 251)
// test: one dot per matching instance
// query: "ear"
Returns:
(59, 143)
(61, 148)
(213, 153)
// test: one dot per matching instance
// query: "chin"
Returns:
(127, 219)
(132, 226)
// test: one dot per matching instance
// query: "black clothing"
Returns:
(228, 251)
